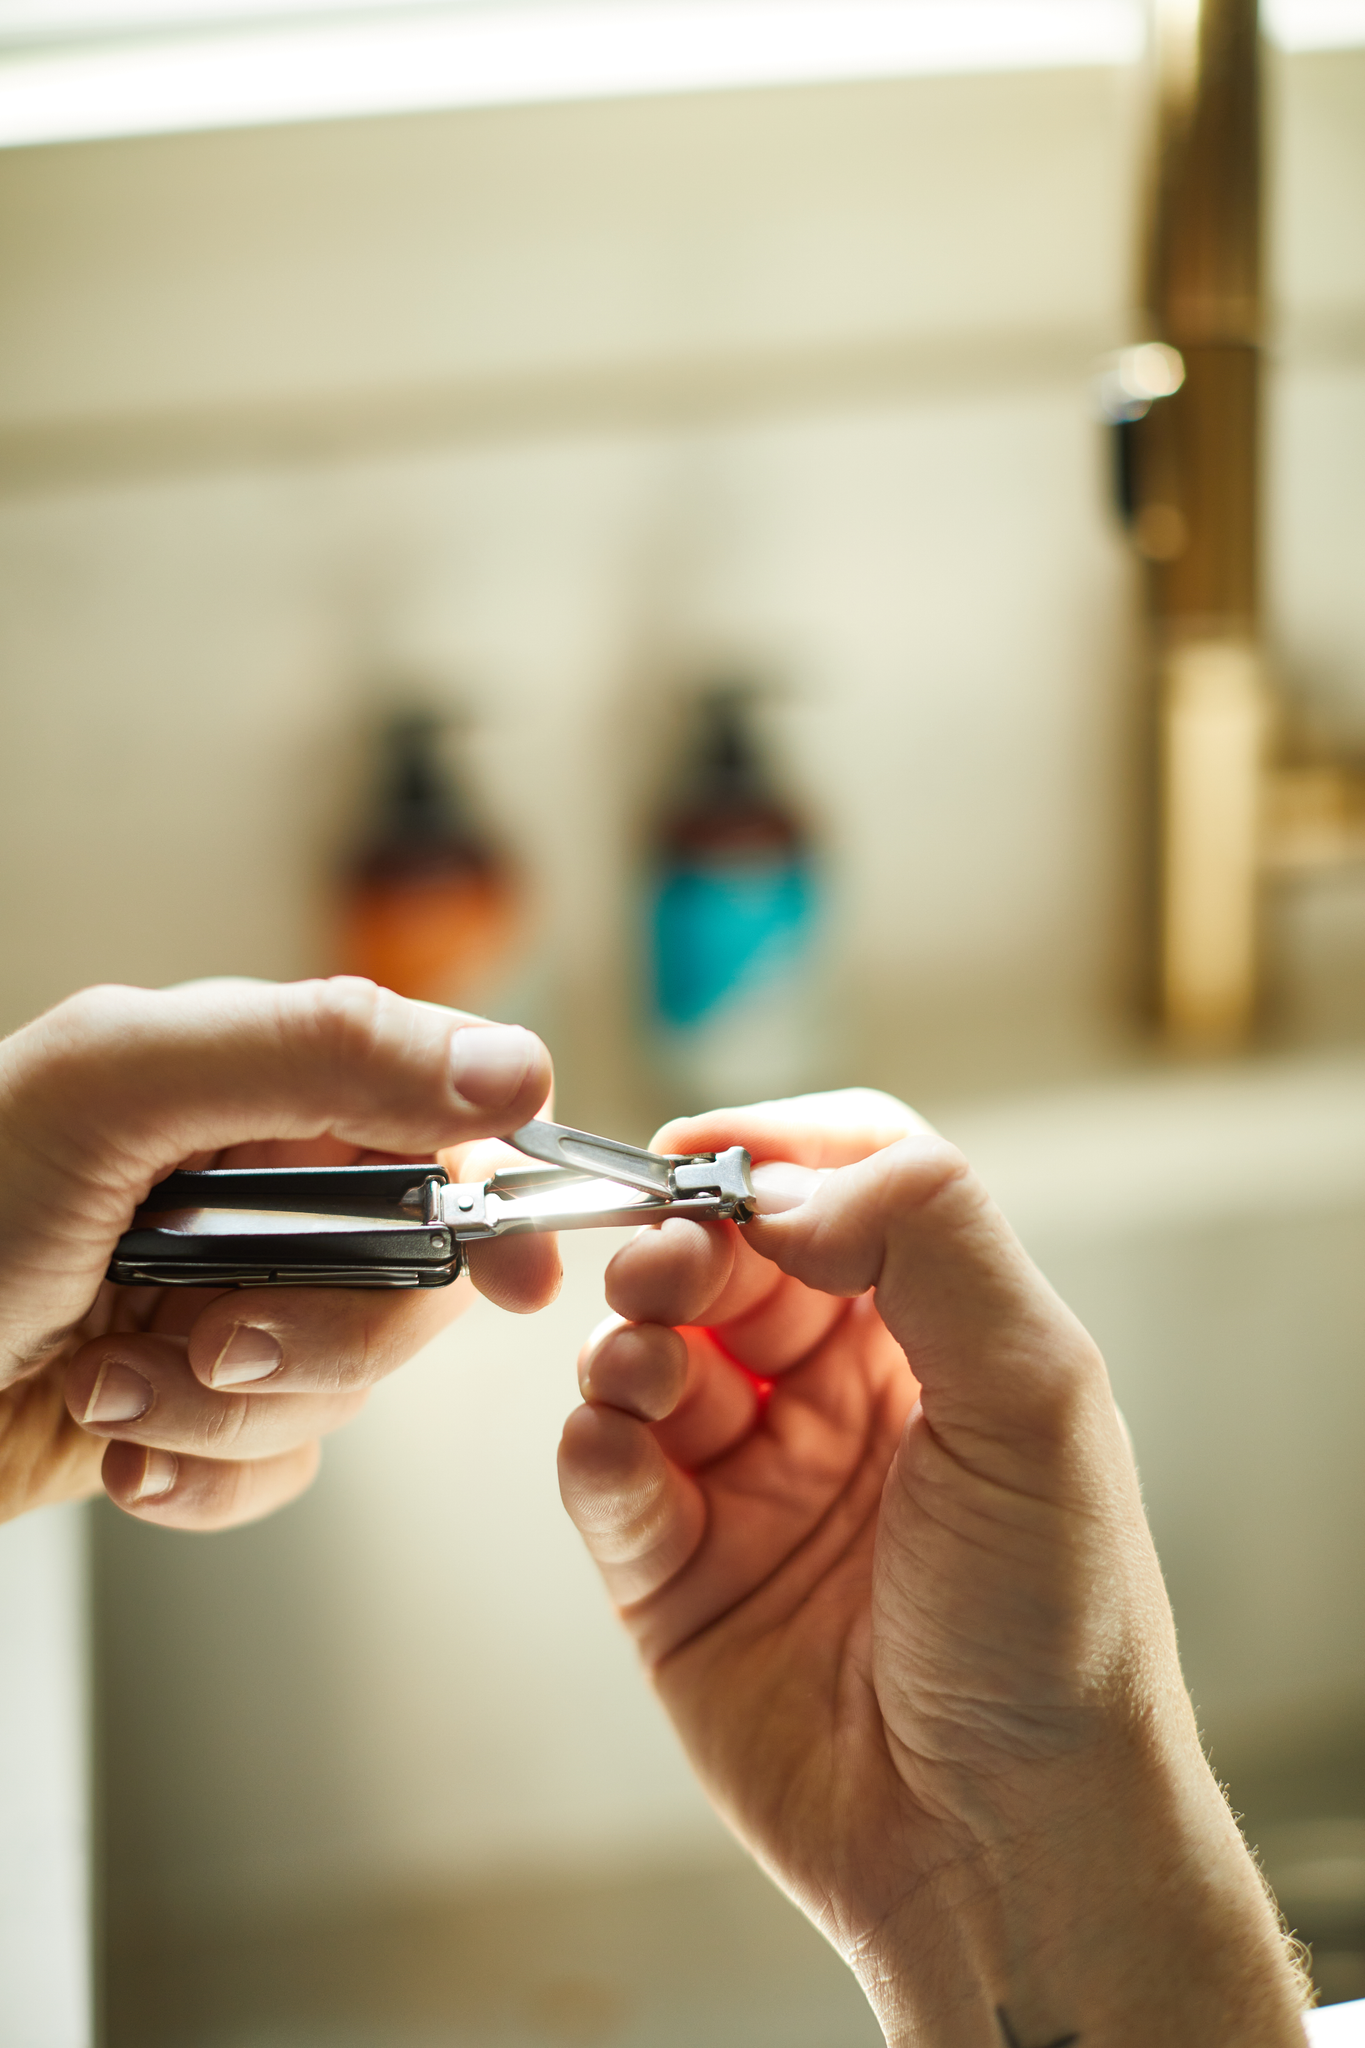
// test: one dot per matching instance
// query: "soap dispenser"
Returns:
(733, 919)
(430, 905)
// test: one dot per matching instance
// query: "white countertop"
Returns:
(1337, 2026)
(1183, 1145)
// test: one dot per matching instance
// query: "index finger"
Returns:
(830, 1129)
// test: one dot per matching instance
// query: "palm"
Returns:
(810, 1723)
(788, 1450)
(762, 1645)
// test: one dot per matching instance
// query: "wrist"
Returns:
(1132, 1913)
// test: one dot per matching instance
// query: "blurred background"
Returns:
(604, 514)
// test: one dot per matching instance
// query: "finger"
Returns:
(480, 1159)
(996, 1349)
(640, 1517)
(294, 1340)
(719, 1407)
(106, 1093)
(753, 1281)
(44, 1456)
(303, 1340)
(764, 1319)
(787, 1322)
(776, 1513)
(273, 1152)
(141, 1390)
(830, 1129)
(184, 1492)
(522, 1274)
(700, 1403)
(640, 1368)
(671, 1272)
(779, 1185)
(998, 1354)
(146, 1077)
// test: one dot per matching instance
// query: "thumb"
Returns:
(1015, 1581)
(104, 1095)
(999, 1357)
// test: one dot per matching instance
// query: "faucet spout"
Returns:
(1193, 461)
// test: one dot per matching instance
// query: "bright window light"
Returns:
(1315, 24)
(75, 70)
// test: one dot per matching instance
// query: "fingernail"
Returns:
(249, 1354)
(779, 1186)
(118, 1395)
(489, 1062)
(159, 1469)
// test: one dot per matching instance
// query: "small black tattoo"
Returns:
(1012, 2039)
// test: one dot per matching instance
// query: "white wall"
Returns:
(45, 1824)
(557, 250)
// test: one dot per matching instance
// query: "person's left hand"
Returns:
(856, 1482)
(200, 1408)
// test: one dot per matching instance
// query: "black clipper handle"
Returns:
(358, 1226)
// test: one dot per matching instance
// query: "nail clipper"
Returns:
(408, 1226)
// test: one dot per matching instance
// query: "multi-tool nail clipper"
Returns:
(408, 1226)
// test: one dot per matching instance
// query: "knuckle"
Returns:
(351, 1354)
(344, 1035)
(943, 1165)
(1069, 1381)
(953, 1185)
(368, 1357)
(71, 1038)
(358, 1356)
(348, 1022)
(930, 1174)
(106, 1009)
(223, 1425)
(55, 1080)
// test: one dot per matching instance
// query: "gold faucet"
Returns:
(1231, 809)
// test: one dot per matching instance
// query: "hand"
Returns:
(201, 1408)
(873, 1521)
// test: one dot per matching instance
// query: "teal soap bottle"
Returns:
(734, 918)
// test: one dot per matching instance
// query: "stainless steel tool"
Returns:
(407, 1226)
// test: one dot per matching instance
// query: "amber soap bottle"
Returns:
(430, 907)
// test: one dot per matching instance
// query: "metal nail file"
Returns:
(408, 1225)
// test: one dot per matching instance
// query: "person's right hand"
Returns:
(198, 1407)
(874, 1524)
